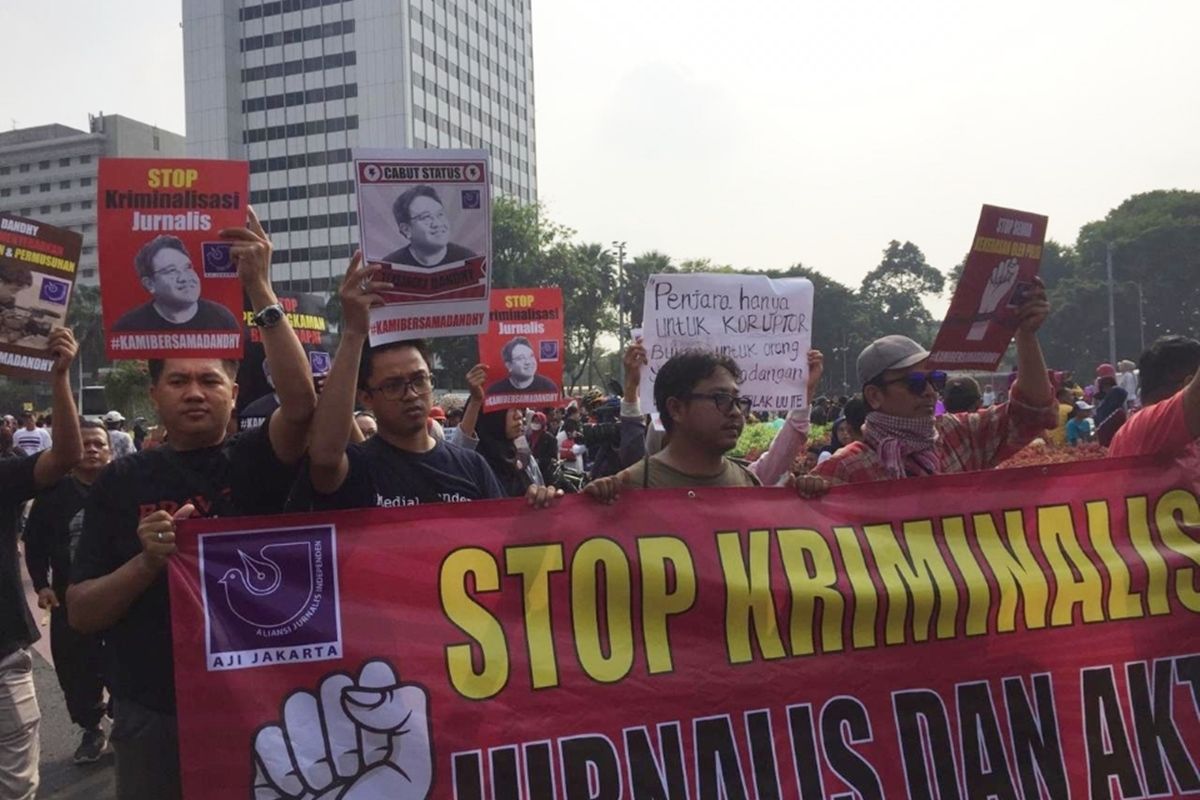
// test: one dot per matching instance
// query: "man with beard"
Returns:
(166, 273)
(51, 538)
(703, 412)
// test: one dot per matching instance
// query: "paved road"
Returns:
(61, 779)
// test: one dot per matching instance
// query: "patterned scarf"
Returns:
(898, 438)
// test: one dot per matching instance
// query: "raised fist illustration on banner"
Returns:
(999, 283)
(348, 740)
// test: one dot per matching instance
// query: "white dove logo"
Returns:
(250, 591)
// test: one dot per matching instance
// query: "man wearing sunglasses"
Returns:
(402, 464)
(901, 436)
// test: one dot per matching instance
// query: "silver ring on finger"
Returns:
(365, 285)
(160, 536)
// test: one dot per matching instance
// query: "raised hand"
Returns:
(816, 368)
(62, 347)
(1035, 308)
(363, 739)
(251, 251)
(359, 292)
(476, 378)
(634, 360)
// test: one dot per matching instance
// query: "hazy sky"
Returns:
(764, 132)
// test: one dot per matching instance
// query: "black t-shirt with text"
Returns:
(386, 477)
(241, 476)
(16, 486)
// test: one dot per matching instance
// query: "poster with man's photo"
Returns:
(167, 282)
(999, 271)
(425, 216)
(523, 349)
(37, 273)
(256, 398)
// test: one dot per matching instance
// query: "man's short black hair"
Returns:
(367, 363)
(855, 412)
(513, 344)
(157, 365)
(679, 376)
(1169, 361)
(401, 209)
(86, 424)
(961, 394)
(144, 260)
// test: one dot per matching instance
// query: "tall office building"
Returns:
(48, 172)
(294, 86)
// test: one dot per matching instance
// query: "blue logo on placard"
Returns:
(218, 262)
(470, 198)
(319, 361)
(54, 291)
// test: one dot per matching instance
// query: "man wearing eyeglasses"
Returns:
(696, 393)
(903, 439)
(167, 274)
(402, 464)
(422, 220)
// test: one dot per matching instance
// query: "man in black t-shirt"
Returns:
(119, 578)
(20, 478)
(402, 464)
(51, 538)
(166, 272)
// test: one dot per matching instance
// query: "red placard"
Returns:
(168, 285)
(991, 631)
(1000, 269)
(37, 275)
(523, 349)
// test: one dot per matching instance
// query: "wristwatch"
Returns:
(269, 317)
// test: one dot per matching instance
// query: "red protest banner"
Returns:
(37, 275)
(525, 340)
(999, 271)
(168, 284)
(1024, 633)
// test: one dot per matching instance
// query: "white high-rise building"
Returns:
(48, 172)
(294, 86)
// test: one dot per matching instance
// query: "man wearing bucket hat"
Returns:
(901, 436)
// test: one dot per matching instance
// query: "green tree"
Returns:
(127, 388)
(1155, 240)
(637, 273)
(84, 320)
(893, 292)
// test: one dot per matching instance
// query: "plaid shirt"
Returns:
(965, 442)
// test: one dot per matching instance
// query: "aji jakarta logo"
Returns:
(270, 596)
(473, 172)
(371, 173)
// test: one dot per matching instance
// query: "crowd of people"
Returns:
(102, 528)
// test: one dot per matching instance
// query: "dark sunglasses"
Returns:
(917, 381)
